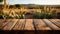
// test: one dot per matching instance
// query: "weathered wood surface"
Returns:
(29, 24)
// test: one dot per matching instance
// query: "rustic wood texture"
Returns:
(29, 24)
(40, 25)
(50, 24)
(20, 25)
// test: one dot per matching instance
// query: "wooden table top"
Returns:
(29, 24)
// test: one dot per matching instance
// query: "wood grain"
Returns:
(40, 25)
(50, 24)
(29, 24)
(11, 24)
(19, 25)
(55, 22)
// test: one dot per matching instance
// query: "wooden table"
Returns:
(29, 24)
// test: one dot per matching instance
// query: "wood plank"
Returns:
(55, 22)
(3, 23)
(20, 25)
(58, 20)
(50, 24)
(29, 24)
(10, 25)
(40, 25)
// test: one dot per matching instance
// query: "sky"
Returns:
(40, 2)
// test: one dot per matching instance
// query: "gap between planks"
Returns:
(11, 24)
(55, 22)
(51, 25)
(30, 24)
(20, 25)
(40, 25)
